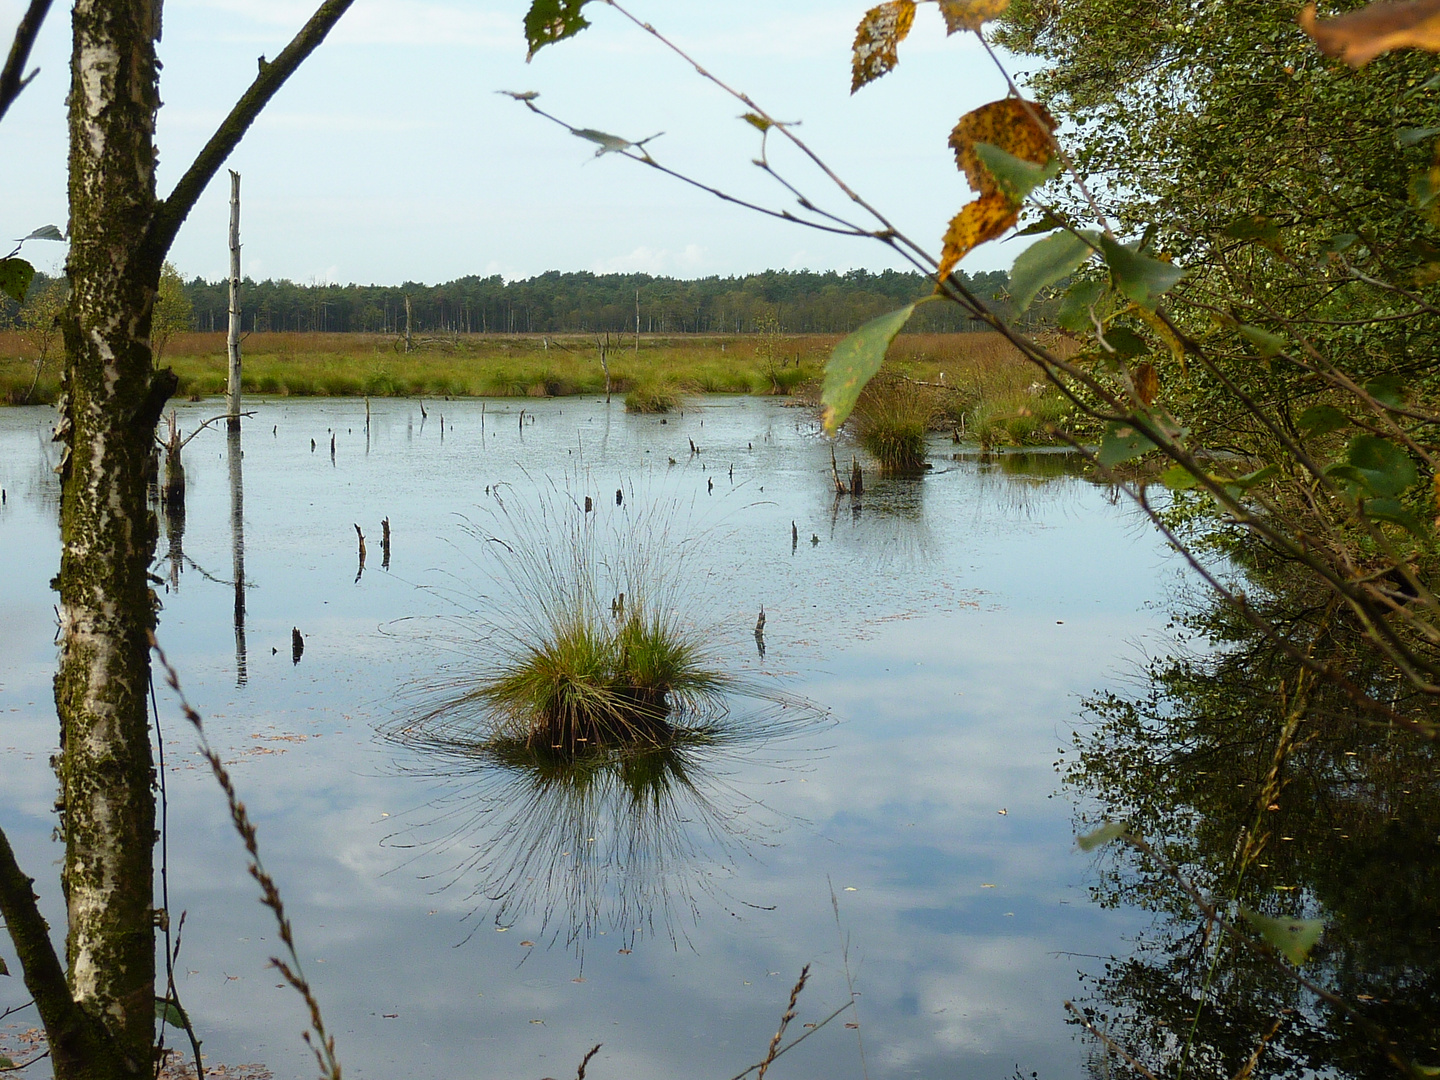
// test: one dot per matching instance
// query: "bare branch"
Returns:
(73, 1036)
(172, 212)
(11, 79)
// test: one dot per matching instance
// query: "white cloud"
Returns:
(648, 260)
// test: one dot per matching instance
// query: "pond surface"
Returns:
(944, 630)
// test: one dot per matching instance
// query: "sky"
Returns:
(391, 156)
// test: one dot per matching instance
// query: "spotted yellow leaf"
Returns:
(1357, 37)
(876, 39)
(1009, 124)
(970, 14)
(984, 219)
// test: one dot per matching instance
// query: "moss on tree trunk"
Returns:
(109, 406)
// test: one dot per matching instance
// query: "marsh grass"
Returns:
(989, 389)
(893, 419)
(653, 397)
(599, 646)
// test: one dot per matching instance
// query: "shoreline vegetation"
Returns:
(976, 383)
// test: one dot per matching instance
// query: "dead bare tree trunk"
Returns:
(407, 322)
(232, 339)
(604, 348)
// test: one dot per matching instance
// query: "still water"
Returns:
(906, 833)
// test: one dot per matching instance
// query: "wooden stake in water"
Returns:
(232, 340)
(385, 543)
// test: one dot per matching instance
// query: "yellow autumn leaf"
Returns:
(970, 14)
(1360, 36)
(876, 39)
(1009, 124)
(984, 219)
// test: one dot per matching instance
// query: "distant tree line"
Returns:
(555, 302)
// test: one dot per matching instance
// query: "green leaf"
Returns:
(1266, 343)
(1412, 136)
(1121, 443)
(1048, 222)
(1388, 390)
(1253, 227)
(1179, 478)
(1126, 342)
(6, 1063)
(1393, 511)
(1044, 264)
(169, 1012)
(1426, 1070)
(1319, 419)
(15, 278)
(1388, 470)
(549, 21)
(1101, 836)
(855, 361)
(1339, 243)
(1140, 279)
(1015, 176)
(46, 232)
(1294, 938)
(1249, 480)
(1074, 314)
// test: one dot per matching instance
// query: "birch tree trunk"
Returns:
(111, 402)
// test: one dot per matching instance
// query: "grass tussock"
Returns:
(893, 419)
(598, 651)
(653, 398)
(986, 390)
(593, 684)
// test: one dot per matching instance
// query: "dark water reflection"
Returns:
(951, 622)
(1271, 792)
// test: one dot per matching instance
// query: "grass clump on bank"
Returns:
(893, 419)
(652, 398)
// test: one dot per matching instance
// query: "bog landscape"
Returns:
(913, 672)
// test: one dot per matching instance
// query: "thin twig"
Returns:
(323, 1044)
(26, 1064)
(849, 980)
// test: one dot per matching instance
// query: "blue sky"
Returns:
(391, 157)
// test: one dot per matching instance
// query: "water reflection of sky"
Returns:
(951, 626)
